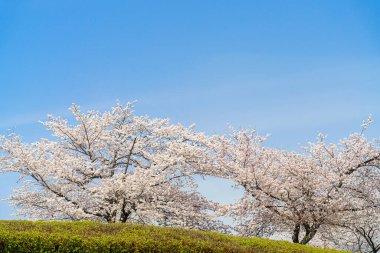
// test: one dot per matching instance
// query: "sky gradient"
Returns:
(288, 68)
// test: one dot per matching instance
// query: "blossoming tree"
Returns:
(118, 167)
(297, 194)
(111, 167)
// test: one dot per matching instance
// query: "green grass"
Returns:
(27, 236)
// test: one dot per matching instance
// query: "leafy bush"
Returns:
(28, 236)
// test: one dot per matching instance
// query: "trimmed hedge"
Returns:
(40, 236)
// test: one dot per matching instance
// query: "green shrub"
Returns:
(27, 236)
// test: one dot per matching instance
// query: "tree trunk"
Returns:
(296, 233)
(310, 232)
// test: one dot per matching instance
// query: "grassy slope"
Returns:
(27, 236)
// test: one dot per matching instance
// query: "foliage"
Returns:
(298, 193)
(111, 167)
(119, 167)
(27, 236)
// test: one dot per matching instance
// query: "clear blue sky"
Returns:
(289, 68)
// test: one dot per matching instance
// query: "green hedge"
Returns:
(27, 236)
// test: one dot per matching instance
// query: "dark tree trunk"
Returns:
(310, 232)
(296, 233)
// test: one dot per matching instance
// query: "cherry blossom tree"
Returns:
(118, 167)
(111, 167)
(298, 193)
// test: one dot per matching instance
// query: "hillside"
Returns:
(27, 236)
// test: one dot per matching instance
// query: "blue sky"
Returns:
(289, 68)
